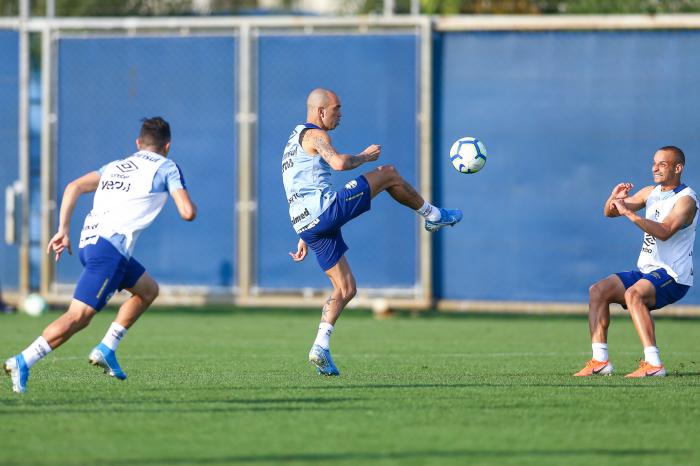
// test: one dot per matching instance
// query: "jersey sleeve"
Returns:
(174, 179)
(102, 169)
(168, 178)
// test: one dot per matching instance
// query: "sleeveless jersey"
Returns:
(306, 182)
(124, 204)
(675, 255)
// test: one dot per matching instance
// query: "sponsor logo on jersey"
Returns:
(287, 164)
(115, 185)
(150, 158)
(352, 184)
(127, 166)
(309, 226)
(290, 153)
(649, 241)
(301, 216)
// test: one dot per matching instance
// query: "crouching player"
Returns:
(129, 195)
(665, 262)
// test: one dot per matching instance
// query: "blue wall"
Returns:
(9, 147)
(105, 86)
(565, 116)
(376, 79)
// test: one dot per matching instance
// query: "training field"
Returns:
(234, 387)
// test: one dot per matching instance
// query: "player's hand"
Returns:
(372, 152)
(621, 191)
(59, 243)
(621, 207)
(301, 252)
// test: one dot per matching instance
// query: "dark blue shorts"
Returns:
(325, 238)
(105, 271)
(667, 290)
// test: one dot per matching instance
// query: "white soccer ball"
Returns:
(34, 305)
(468, 155)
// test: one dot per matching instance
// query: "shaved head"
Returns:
(318, 98)
(677, 153)
(323, 108)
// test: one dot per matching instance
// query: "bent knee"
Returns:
(389, 172)
(348, 293)
(150, 293)
(632, 294)
(153, 292)
(597, 292)
(79, 315)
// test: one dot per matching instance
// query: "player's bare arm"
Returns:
(681, 216)
(320, 143)
(61, 240)
(621, 192)
(185, 206)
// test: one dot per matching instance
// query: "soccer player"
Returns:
(665, 262)
(129, 195)
(318, 212)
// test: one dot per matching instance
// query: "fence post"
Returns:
(245, 205)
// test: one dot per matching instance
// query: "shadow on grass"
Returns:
(41, 407)
(355, 457)
(631, 385)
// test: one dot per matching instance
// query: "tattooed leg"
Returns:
(331, 311)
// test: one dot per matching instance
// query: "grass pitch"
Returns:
(234, 387)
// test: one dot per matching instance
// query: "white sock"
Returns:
(429, 212)
(36, 351)
(600, 351)
(651, 355)
(113, 336)
(323, 337)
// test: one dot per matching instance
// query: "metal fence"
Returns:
(233, 89)
(567, 106)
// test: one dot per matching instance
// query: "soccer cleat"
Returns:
(647, 370)
(594, 367)
(18, 371)
(106, 359)
(321, 358)
(447, 218)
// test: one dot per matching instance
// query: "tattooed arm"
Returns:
(318, 142)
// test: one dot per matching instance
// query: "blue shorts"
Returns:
(105, 271)
(667, 290)
(325, 238)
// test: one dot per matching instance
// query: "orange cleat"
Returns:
(647, 370)
(594, 367)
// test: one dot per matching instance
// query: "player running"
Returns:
(318, 212)
(129, 195)
(665, 262)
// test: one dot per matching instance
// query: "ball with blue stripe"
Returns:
(468, 155)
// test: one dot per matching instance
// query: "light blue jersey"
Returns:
(306, 181)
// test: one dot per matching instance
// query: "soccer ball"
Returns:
(34, 305)
(468, 155)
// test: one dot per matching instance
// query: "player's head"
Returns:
(323, 109)
(154, 135)
(669, 162)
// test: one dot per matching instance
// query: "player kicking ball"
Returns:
(318, 212)
(665, 262)
(129, 195)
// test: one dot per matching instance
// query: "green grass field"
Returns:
(234, 387)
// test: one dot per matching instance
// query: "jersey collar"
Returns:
(679, 188)
(311, 126)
